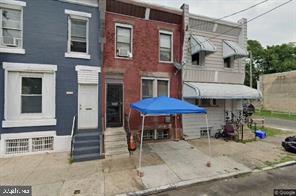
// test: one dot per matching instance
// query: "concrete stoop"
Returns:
(86, 145)
(115, 143)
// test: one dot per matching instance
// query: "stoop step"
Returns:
(115, 142)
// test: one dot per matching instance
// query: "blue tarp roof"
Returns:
(166, 106)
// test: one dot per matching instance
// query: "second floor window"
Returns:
(228, 62)
(165, 46)
(78, 37)
(11, 28)
(198, 58)
(123, 41)
(78, 34)
(195, 59)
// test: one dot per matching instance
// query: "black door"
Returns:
(114, 105)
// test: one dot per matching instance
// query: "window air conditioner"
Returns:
(9, 41)
(123, 52)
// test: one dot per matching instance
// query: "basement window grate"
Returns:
(148, 135)
(42, 144)
(204, 133)
(162, 134)
(17, 146)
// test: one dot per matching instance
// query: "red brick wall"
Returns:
(145, 59)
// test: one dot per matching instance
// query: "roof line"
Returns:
(210, 19)
(154, 6)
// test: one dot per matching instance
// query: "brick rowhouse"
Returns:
(145, 60)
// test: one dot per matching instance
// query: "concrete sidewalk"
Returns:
(183, 162)
(165, 164)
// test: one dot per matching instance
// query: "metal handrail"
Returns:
(72, 135)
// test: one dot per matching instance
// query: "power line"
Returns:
(252, 19)
(237, 12)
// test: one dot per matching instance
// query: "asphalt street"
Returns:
(257, 184)
(288, 125)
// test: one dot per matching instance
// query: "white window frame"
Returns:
(155, 82)
(16, 5)
(80, 16)
(18, 119)
(172, 45)
(115, 43)
(30, 75)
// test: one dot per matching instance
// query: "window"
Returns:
(162, 88)
(195, 59)
(228, 62)
(11, 27)
(31, 142)
(198, 58)
(163, 134)
(153, 87)
(31, 95)
(123, 40)
(165, 46)
(17, 146)
(147, 88)
(42, 144)
(206, 102)
(78, 34)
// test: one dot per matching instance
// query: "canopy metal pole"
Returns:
(209, 140)
(128, 123)
(141, 147)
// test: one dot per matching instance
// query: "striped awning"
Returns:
(200, 43)
(219, 91)
(231, 48)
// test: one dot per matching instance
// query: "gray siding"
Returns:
(213, 69)
(45, 42)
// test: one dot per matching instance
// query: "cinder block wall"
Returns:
(279, 91)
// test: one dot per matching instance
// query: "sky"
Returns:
(276, 27)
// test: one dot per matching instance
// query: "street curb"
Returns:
(181, 184)
(202, 180)
(288, 163)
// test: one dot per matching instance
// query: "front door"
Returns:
(114, 105)
(87, 106)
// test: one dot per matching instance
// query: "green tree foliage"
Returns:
(272, 59)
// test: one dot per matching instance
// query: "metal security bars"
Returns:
(42, 144)
(27, 145)
(17, 146)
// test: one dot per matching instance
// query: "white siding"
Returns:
(192, 123)
(213, 69)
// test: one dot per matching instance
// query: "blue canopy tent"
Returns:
(164, 106)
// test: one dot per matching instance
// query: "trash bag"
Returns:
(290, 144)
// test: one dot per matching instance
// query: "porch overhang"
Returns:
(231, 48)
(200, 43)
(219, 91)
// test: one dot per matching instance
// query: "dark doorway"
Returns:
(114, 105)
